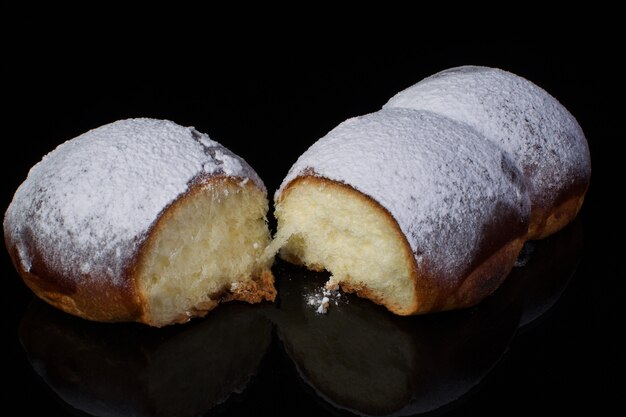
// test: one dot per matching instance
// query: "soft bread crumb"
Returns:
(332, 227)
(204, 250)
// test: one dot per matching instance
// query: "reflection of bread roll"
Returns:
(129, 370)
(410, 209)
(542, 137)
(549, 266)
(356, 358)
(360, 358)
(141, 220)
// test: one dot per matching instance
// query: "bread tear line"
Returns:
(278, 242)
(319, 298)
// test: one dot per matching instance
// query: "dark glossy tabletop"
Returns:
(548, 340)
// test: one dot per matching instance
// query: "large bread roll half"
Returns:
(141, 220)
(409, 208)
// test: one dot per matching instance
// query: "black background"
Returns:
(268, 107)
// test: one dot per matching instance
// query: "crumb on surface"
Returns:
(321, 298)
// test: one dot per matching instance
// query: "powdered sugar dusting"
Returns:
(229, 163)
(442, 182)
(542, 137)
(86, 207)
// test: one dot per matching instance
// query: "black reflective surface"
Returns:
(127, 369)
(550, 341)
(357, 358)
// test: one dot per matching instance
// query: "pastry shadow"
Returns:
(131, 369)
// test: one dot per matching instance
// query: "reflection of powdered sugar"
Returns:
(321, 298)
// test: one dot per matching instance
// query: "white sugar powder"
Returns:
(87, 206)
(321, 298)
(540, 135)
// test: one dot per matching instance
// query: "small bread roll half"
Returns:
(141, 220)
(408, 208)
(541, 136)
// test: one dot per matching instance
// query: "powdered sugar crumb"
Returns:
(321, 298)
(323, 307)
(87, 206)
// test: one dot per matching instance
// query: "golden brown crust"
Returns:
(481, 282)
(486, 277)
(99, 299)
(260, 288)
(431, 295)
(547, 221)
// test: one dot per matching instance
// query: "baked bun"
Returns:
(141, 220)
(408, 208)
(540, 135)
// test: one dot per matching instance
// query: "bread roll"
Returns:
(141, 220)
(410, 209)
(540, 135)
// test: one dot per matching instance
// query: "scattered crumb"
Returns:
(323, 307)
(331, 284)
(321, 298)
(234, 286)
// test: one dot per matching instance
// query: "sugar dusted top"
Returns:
(438, 178)
(86, 207)
(542, 137)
